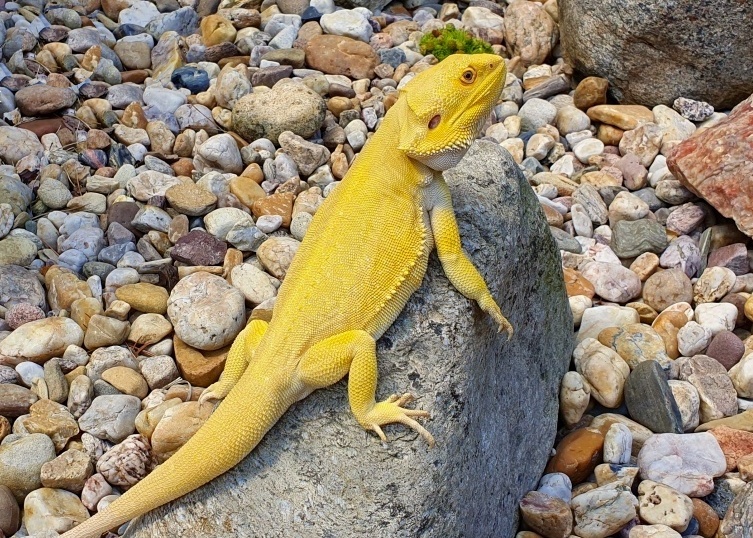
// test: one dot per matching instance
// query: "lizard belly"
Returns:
(355, 270)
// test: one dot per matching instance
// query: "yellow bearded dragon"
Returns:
(364, 254)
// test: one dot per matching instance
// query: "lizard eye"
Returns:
(433, 122)
(469, 75)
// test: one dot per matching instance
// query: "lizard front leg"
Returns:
(354, 352)
(456, 264)
(238, 358)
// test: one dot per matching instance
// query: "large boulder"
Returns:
(493, 403)
(653, 53)
(717, 164)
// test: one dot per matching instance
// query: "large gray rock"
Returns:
(371, 5)
(652, 55)
(493, 403)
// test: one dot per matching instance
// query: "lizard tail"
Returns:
(230, 434)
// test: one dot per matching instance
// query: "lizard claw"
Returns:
(391, 411)
(489, 306)
(506, 326)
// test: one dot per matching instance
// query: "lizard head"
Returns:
(446, 107)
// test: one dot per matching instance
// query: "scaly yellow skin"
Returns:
(364, 254)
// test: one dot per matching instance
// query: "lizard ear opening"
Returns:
(435, 121)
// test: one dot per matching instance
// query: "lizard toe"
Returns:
(391, 411)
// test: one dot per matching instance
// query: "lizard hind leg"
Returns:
(354, 352)
(241, 352)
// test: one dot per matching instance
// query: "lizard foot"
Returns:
(215, 392)
(504, 325)
(488, 305)
(391, 411)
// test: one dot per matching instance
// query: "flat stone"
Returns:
(144, 297)
(52, 419)
(340, 55)
(632, 238)
(613, 282)
(201, 368)
(734, 257)
(199, 248)
(40, 340)
(682, 253)
(717, 164)
(650, 401)
(15, 400)
(735, 444)
(68, 471)
(56, 510)
(598, 318)
(190, 199)
(42, 99)
(687, 463)
(718, 395)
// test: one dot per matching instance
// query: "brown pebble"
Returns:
(183, 167)
(276, 204)
(200, 368)
(708, 521)
(577, 455)
(137, 76)
(726, 348)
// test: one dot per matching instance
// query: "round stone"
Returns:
(190, 199)
(286, 107)
(21, 463)
(54, 194)
(612, 281)
(727, 348)
(536, 113)
(666, 288)
(192, 309)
